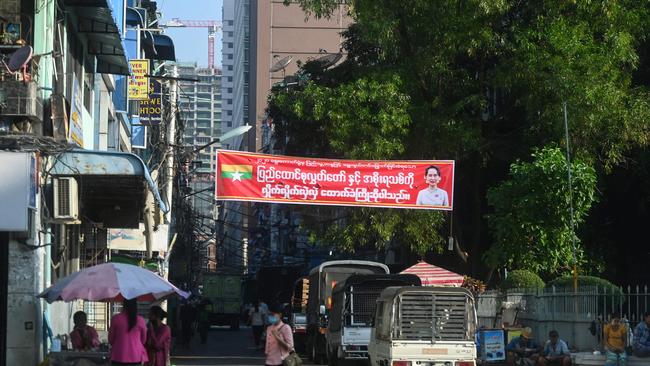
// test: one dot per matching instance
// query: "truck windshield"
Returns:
(427, 316)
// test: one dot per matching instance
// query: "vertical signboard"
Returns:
(150, 109)
(139, 136)
(138, 85)
(15, 190)
(75, 134)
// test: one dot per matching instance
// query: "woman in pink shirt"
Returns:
(279, 339)
(159, 337)
(83, 337)
(127, 336)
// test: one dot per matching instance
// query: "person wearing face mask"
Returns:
(158, 337)
(279, 338)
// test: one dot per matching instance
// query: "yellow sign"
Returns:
(138, 82)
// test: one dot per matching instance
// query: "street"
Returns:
(224, 347)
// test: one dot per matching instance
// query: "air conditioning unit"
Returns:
(66, 199)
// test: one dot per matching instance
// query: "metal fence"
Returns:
(579, 316)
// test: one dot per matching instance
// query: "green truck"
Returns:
(224, 292)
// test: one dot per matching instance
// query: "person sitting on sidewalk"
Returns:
(641, 345)
(523, 350)
(556, 352)
(614, 342)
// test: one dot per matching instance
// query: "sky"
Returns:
(191, 44)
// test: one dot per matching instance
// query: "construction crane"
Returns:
(213, 27)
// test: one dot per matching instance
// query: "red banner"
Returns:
(422, 184)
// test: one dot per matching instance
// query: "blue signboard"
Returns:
(492, 345)
(139, 136)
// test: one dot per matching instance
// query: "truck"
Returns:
(423, 326)
(322, 280)
(223, 290)
(353, 309)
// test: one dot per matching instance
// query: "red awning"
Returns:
(435, 276)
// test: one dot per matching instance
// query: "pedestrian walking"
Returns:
(256, 319)
(187, 321)
(158, 337)
(127, 336)
(203, 319)
(279, 338)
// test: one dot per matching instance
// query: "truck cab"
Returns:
(424, 326)
(353, 309)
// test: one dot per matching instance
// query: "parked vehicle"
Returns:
(423, 326)
(353, 309)
(224, 292)
(322, 280)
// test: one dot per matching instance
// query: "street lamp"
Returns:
(228, 135)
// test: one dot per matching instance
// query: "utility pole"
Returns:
(171, 140)
(169, 165)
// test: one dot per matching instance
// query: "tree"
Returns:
(486, 82)
(531, 223)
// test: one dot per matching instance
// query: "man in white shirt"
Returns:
(432, 195)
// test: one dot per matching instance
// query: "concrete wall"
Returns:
(24, 316)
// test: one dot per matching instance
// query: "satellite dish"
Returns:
(328, 60)
(281, 64)
(20, 58)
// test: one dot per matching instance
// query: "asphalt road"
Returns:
(224, 347)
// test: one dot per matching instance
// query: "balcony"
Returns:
(20, 99)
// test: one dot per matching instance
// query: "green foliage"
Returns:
(364, 119)
(522, 279)
(531, 223)
(483, 83)
(605, 303)
(417, 230)
(601, 283)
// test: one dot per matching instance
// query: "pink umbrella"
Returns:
(434, 276)
(111, 282)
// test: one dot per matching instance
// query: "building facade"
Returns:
(257, 36)
(67, 171)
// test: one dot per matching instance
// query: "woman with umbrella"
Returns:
(127, 336)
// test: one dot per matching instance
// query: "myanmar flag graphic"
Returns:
(236, 172)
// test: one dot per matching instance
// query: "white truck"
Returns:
(353, 308)
(424, 326)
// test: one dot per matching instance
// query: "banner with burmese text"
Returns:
(421, 184)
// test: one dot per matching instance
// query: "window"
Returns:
(229, 91)
(230, 45)
(230, 34)
(229, 79)
(229, 67)
(229, 123)
(229, 56)
(228, 113)
(230, 22)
